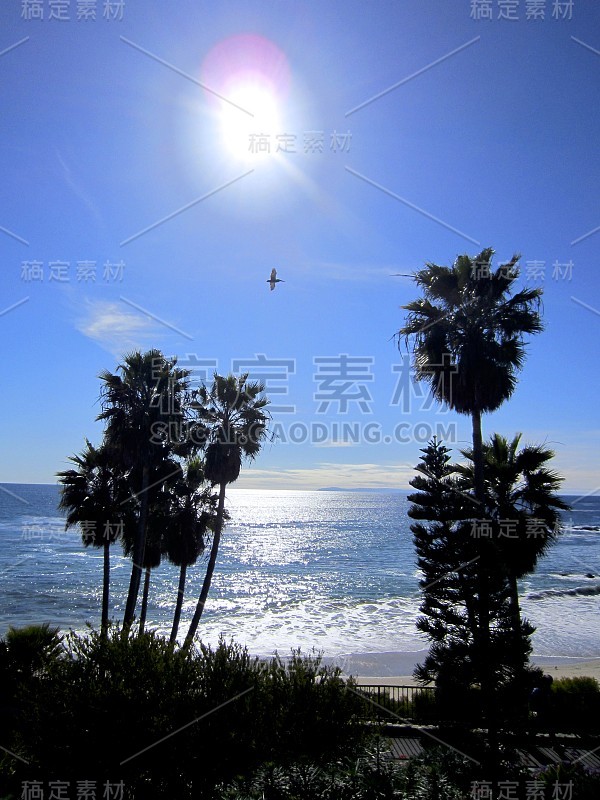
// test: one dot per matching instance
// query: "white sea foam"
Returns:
(330, 570)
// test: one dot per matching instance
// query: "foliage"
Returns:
(145, 484)
(519, 489)
(468, 330)
(467, 334)
(94, 494)
(574, 781)
(522, 490)
(233, 418)
(96, 497)
(144, 405)
(436, 775)
(574, 704)
(204, 715)
(447, 554)
(29, 652)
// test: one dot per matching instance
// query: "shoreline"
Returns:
(396, 668)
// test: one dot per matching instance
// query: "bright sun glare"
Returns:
(246, 136)
(252, 73)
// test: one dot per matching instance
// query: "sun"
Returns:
(250, 120)
(246, 78)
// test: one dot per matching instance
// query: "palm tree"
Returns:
(162, 479)
(521, 495)
(144, 406)
(95, 498)
(191, 515)
(467, 333)
(235, 425)
(152, 558)
(445, 554)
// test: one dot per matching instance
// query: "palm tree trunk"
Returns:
(483, 587)
(478, 457)
(105, 588)
(515, 614)
(209, 570)
(138, 552)
(179, 603)
(145, 599)
(483, 632)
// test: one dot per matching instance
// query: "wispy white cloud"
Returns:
(115, 328)
(79, 191)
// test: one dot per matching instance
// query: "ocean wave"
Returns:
(585, 591)
(585, 528)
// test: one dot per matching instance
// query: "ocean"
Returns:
(329, 570)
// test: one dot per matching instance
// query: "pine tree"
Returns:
(447, 521)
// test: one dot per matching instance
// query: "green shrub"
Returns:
(434, 776)
(170, 722)
(572, 780)
(575, 704)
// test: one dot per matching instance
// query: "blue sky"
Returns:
(440, 134)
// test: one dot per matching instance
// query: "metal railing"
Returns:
(406, 703)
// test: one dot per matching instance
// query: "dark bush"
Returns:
(575, 704)
(169, 722)
(433, 776)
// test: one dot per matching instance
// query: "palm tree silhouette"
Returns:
(192, 514)
(467, 333)
(144, 405)
(95, 498)
(521, 494)
(235, 422)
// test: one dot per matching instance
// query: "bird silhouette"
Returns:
(274, 279)
(400, 275)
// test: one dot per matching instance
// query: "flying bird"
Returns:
(274, 279)
(400, 275)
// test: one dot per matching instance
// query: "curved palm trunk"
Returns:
(483, 587)
(209, 570)
(138, 552)
(105, 588)
(178, 605)
(145, 599)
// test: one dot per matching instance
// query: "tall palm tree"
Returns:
(94, 494)
(144, 406)
(521, 495)
(235, 425)
(191, 514)
(162, 479)
(467, 331)
(152, 559)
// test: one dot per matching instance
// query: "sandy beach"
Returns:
(396, 668)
